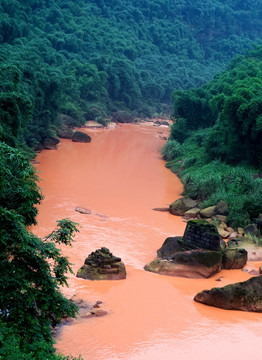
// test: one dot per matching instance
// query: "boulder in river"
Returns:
(192, 264)
(102, 265)
(245, 296)
(65, 132)
(80, 136)
(50, 142)
(234, 258)
(82, 210)
(197, 254)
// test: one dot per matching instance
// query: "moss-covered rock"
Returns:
(200, 234)
(208, 212)
(180, 206)
(197, 254)
(102, 265)
(50, 142)
(80, 136)
(234, 258)
(170, 246)
(245, 296)
(192, 264)
(192, 213)
(65, 132)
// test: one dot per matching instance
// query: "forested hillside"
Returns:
(90, 58)
(216, 139)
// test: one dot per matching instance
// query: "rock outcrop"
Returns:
(245, 296)
(180, 206)
(79, 136)
(65, 132)
(102, 265)
(195, 255)
(50, 143)
(193, 264)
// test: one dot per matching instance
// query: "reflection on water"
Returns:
(120, 177)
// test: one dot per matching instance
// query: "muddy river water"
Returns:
(120, 177)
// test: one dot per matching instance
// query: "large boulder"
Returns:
(245, 296)
(170, 246)
(200, 234)
(180, 206)
(102, 265)
(192, 213)
(80, 136)
(192, 264)
(197, 254)
(234, 258)
(208, 212)
(65, 132)
(50, 143)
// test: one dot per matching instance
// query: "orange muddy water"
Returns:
(120, 177)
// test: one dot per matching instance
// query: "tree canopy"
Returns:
(32, 269)
(216, 139)
(90, 58)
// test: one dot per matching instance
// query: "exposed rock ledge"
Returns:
(197, 254)
(245, 296)
(200, 253)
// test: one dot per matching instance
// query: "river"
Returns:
(121, 177)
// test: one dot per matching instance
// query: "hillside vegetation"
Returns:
(87, 59)
(216, 139)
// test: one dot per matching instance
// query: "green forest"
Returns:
(88, 59)
(216, 139)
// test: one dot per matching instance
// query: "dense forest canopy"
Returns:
(216, 139)
(89, 58)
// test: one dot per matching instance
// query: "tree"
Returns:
(32, 269)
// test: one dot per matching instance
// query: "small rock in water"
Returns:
(83, 210)
(96, 313)
(161, 209)
(97, 304)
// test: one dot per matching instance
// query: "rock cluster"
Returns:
(200, 253)
(216, 214)
(195, 255)
(102, 265)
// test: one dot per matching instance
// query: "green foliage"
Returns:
(171, 150)
(32, 269)
(19, 190)
(210, 181)
(74, 56)
(231, 106)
